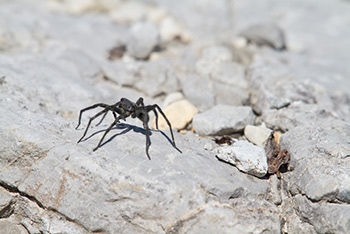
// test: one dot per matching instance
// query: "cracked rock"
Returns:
(245, 156)
(320, 150)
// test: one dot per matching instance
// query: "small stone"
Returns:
(144, 37)
(265, 34)
(257, 135)
(170, 29)
(179, 114)
(223, 119)
(208, 146)
(129, 12)
(172, 97)
(246, 157)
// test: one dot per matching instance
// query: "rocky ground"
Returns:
(257, 94)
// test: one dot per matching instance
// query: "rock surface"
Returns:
(223, 119)
(246, 157)
(57, 57)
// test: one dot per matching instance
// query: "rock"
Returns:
(319, 153)
(7, 227)
(65, 180)
(230, 94)
(129, 12)
(328, 211)
(246, 157)
(223, 119)
(6, 204)
(170, 29)
(257, 135)
(275, 187)
(53, 65)
(222, 218)
(295, 115)
(172, 97)
(163, 76)
(198, 91)
(179, 113)
(144, 37)
(265, 34)
(211, 57)
(229, 73)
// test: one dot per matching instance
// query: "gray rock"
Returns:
(257, 135)
(276, 85)
(295, 115)
(144, 37)
(265, 34)
(319, 155)
(229, 73)
(115, 187)
(210, 59)
(52, 65)
(198, 91)
(6, 203)
(335, 217)
(7, 227)
(245, 156)
(233, 219)
(230, 94)
(223, 119)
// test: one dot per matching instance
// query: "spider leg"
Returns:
(145, 125)
(156, 115)
(89, 108)
(139, 102)
(103, 117)
(108, 129)
(91, 119)
(154, 107)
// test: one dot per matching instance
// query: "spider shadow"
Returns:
(127, 128)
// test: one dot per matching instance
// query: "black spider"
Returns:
(125, 108)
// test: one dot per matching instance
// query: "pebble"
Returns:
(245, 156)
(144, 37)
(179, 113)
(223, 119)
(265, 34)
(173, 97)
(128, 12)
(257, 135)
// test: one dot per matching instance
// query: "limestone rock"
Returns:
(246, 157)
(265, 34)
(172, 97)
(144, 37)
(7, 227)
(179, 113)
(223, 119)
(257, 135)
(319, 150)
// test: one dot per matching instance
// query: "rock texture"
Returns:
(58, 57)
(223, 119)
(246, 157)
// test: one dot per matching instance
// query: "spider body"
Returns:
(123, 109)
